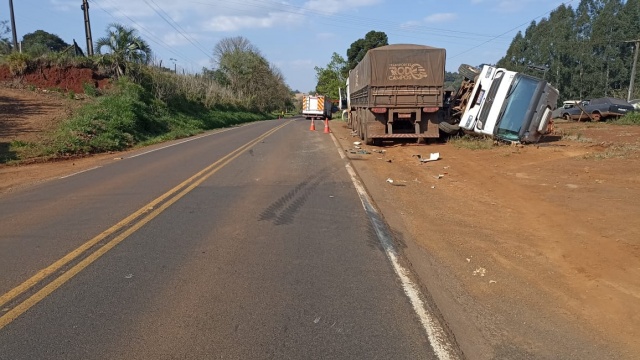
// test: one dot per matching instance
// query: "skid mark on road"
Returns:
(284, 210)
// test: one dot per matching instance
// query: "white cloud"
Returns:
(328, 7)
(229, 23)
(430, 20)
(175, 38)
(440, 18)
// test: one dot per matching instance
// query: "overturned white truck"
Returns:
(397, 91)
(504, 104)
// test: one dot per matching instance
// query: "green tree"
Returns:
(359, 48)
(331, 78)
(242, 69)
(5, 42)
(122, 47)
(630, 20)
(40, 42)
(586, 50)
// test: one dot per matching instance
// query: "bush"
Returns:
(129, 115)
(18, 63)
(629, 119)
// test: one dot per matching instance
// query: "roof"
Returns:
(403, 47)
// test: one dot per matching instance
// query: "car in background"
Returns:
(635, 103)
(567, 104)
(598, 109)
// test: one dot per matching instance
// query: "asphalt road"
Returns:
(251, 243)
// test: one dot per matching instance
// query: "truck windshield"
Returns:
(520, 97)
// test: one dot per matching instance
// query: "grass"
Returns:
(615, 151)
(577, 137)
(471, 142)
(128, 116)
(629, 119)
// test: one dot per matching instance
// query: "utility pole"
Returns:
(13, 27)
(633, 70)
(87, 27)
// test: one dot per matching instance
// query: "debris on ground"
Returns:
(432, 157)
(396, 183)
(480, 271)
(358, 151)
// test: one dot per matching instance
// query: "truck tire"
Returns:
(366, 138)
(447, 128)
(468, 71)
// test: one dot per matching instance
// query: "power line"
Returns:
(178, 29)
(341, 20)
(149, 33)
(515, 28)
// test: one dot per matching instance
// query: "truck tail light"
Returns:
(379, 110)
(430, 109)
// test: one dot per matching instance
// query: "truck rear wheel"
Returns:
(468, 71)
(367, 139)
(447, 128)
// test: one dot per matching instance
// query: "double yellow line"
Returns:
(134, 222)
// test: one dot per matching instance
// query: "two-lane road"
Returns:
(250, 243)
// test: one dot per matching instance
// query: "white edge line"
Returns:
(435, 332)
(79, 172)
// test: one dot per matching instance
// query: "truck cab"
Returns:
(509, 106)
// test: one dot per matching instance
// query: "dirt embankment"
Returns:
(56, 78)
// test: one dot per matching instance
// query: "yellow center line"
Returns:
(56, 283)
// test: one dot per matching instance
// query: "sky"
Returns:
(294, 35)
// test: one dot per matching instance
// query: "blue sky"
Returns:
(295, 35)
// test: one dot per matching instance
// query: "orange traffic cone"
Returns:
(313, 125)
(326, 126)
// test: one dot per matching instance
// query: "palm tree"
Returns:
(122, 45)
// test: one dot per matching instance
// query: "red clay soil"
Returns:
(62, 78)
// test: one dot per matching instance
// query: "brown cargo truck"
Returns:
(397, 91)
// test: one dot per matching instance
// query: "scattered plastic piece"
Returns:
(432, 157)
